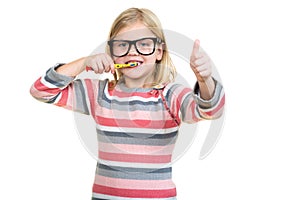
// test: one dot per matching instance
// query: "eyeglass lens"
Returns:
(144, 46)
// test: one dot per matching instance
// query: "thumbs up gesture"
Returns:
(200, 63)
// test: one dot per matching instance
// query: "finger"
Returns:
(98, 65)
(204, 70)
(106, 63)
(95, 68)
(201, 61)
(196, 49)
(112, 67)
(205, 73)
(111, 64)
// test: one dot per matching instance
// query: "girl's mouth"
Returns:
(134, 63)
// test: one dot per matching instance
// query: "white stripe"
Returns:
(103, 196)
(137, 130)
(58, 98)
(47, 84)
(131, 98)
(136, 165)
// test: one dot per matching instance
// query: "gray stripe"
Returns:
(81, 104)
(131, 105)
(139, 141)
(138, 135)
(50, 100)
(134, 169)
(184, 107)
(134, 175)
(206, 104)
(171, 93)
(57, 79)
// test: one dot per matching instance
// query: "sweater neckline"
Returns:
(121, 86)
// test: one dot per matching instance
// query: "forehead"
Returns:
(134, 31)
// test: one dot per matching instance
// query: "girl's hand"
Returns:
(100, 63)
(202, 67)
(200, 63)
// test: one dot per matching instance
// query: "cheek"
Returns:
(150, 59)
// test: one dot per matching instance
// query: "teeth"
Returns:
(134, 62)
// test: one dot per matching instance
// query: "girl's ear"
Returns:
(160, 51)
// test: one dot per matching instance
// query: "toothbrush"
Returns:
(132, 64)
(118, 66)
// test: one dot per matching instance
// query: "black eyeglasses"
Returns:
(144, 46)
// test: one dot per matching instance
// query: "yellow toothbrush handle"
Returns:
(118, 66)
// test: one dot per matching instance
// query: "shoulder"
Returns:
(175, 87)
(93, 85)
(176, 91)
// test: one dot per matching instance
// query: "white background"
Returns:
(255, 47)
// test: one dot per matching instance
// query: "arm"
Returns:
(188, 106)
(59, 87)
(201, 66)
(99, 63)
(208, 93)
(60, 90)
(207, 100)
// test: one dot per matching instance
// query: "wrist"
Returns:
(206, 87)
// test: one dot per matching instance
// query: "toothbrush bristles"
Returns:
(133, 64)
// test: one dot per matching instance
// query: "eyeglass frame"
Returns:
(133, 42)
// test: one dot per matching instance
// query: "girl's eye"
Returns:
(120, 44)
(144, 44)
(124, 44)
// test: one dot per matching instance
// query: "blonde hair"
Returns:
(165, 71)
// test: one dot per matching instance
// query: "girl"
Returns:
(139, 113)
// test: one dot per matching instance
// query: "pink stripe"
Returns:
(138, 114)
(129, 123)
(91, 95)
(132, 193)
(134, 184)
(135, 158)
(135, 149)
(39, 93)
(119, 93)
(219, 107)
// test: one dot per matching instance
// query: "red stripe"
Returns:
(179, 100)
(130, 193)
(64, 98)
(90, 92)
(122, 94)
(135, 123)
(137, 158)
(221, 104)
(41, 87)
(181, 95)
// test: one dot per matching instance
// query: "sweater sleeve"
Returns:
(187, 105)
(61, 90)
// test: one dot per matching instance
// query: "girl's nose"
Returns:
(132, 50)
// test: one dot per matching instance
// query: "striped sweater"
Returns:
(136, 130)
